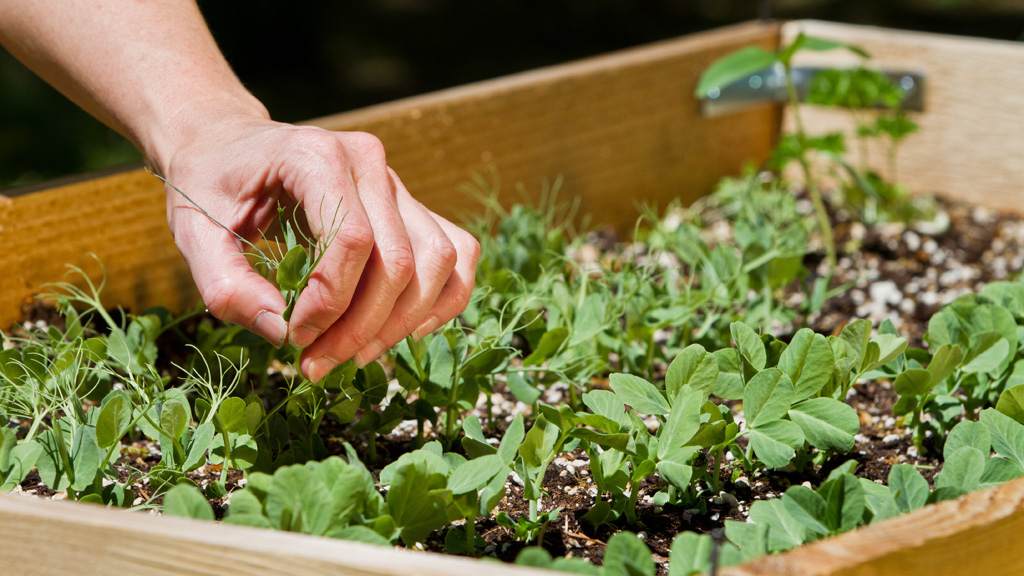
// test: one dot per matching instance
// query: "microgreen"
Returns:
(293, 264)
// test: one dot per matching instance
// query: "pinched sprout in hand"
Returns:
(292, 263)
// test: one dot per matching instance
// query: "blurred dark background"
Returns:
(309, 59)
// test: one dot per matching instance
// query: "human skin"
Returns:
(152, 71)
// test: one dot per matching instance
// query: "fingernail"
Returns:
(271, 326)
(304, 336)
(428, 326)
(319, 367)
(370, 353)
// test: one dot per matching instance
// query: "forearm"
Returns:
(150, 70)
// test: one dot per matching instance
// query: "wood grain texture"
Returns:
(621, 129)
(980, 533)
(972, 130)
(119, 218)
(46, 538)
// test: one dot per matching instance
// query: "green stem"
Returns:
(634, 496)
(176, 444)
(63, 451)
(471, 535)
(490, 406)
(227, 454)
(371, 451)
(812, 188)
(449, 425)
(716, 477)
(533, 510)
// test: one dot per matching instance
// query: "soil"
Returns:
(893, 271)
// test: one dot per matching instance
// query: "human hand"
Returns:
(393, 269)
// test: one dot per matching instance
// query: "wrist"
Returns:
(195, 121)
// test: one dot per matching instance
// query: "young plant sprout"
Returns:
(291, 264)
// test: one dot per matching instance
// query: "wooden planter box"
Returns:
(621, 129)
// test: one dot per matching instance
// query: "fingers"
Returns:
(435, 258)
(455, 295)
(391, 267)
(332, 203)
(443, 259)
(230, 288)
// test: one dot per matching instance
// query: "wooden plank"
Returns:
(120, 218)
(46, 538)
(980, 533)
(971, 133)
(621, 129)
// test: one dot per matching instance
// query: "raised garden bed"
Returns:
(445, 129)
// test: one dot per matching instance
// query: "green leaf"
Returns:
(733, 67)
(988, 350)
(913, 382)
(767, 397)
(807, 507)
(909, 489)
(750, 345)
(640, 394)
(694, 367)
(808, 361)
(816, 44)
(882, 349)
(827, 424)
(682, 423)
(475, 474)
(511, 440)
(962, 470)
(945, 361)
(676, 473)
(173, 419)
(474, 442)
(844, 503)
(351, 487)
(968, 433)
(539, 444)
(417, 502)
(115, 416)
(691, 554)
(1007, 434)
(292, 269)
(17, 461)
(201, 441)
(856, 335)
(296, 501)
(751, 539)
(187, 501)
(244, 502)
(999, 471)
(607, 404)
(776, 441)
(1011, 403)
(730, 374)
(785, 531)
(85, 457)
(521, 389)
(879, 500)
(549, 344)
(627, 555)
(363, 534)
(232, 415)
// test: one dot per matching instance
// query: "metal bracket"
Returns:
(769, 87)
